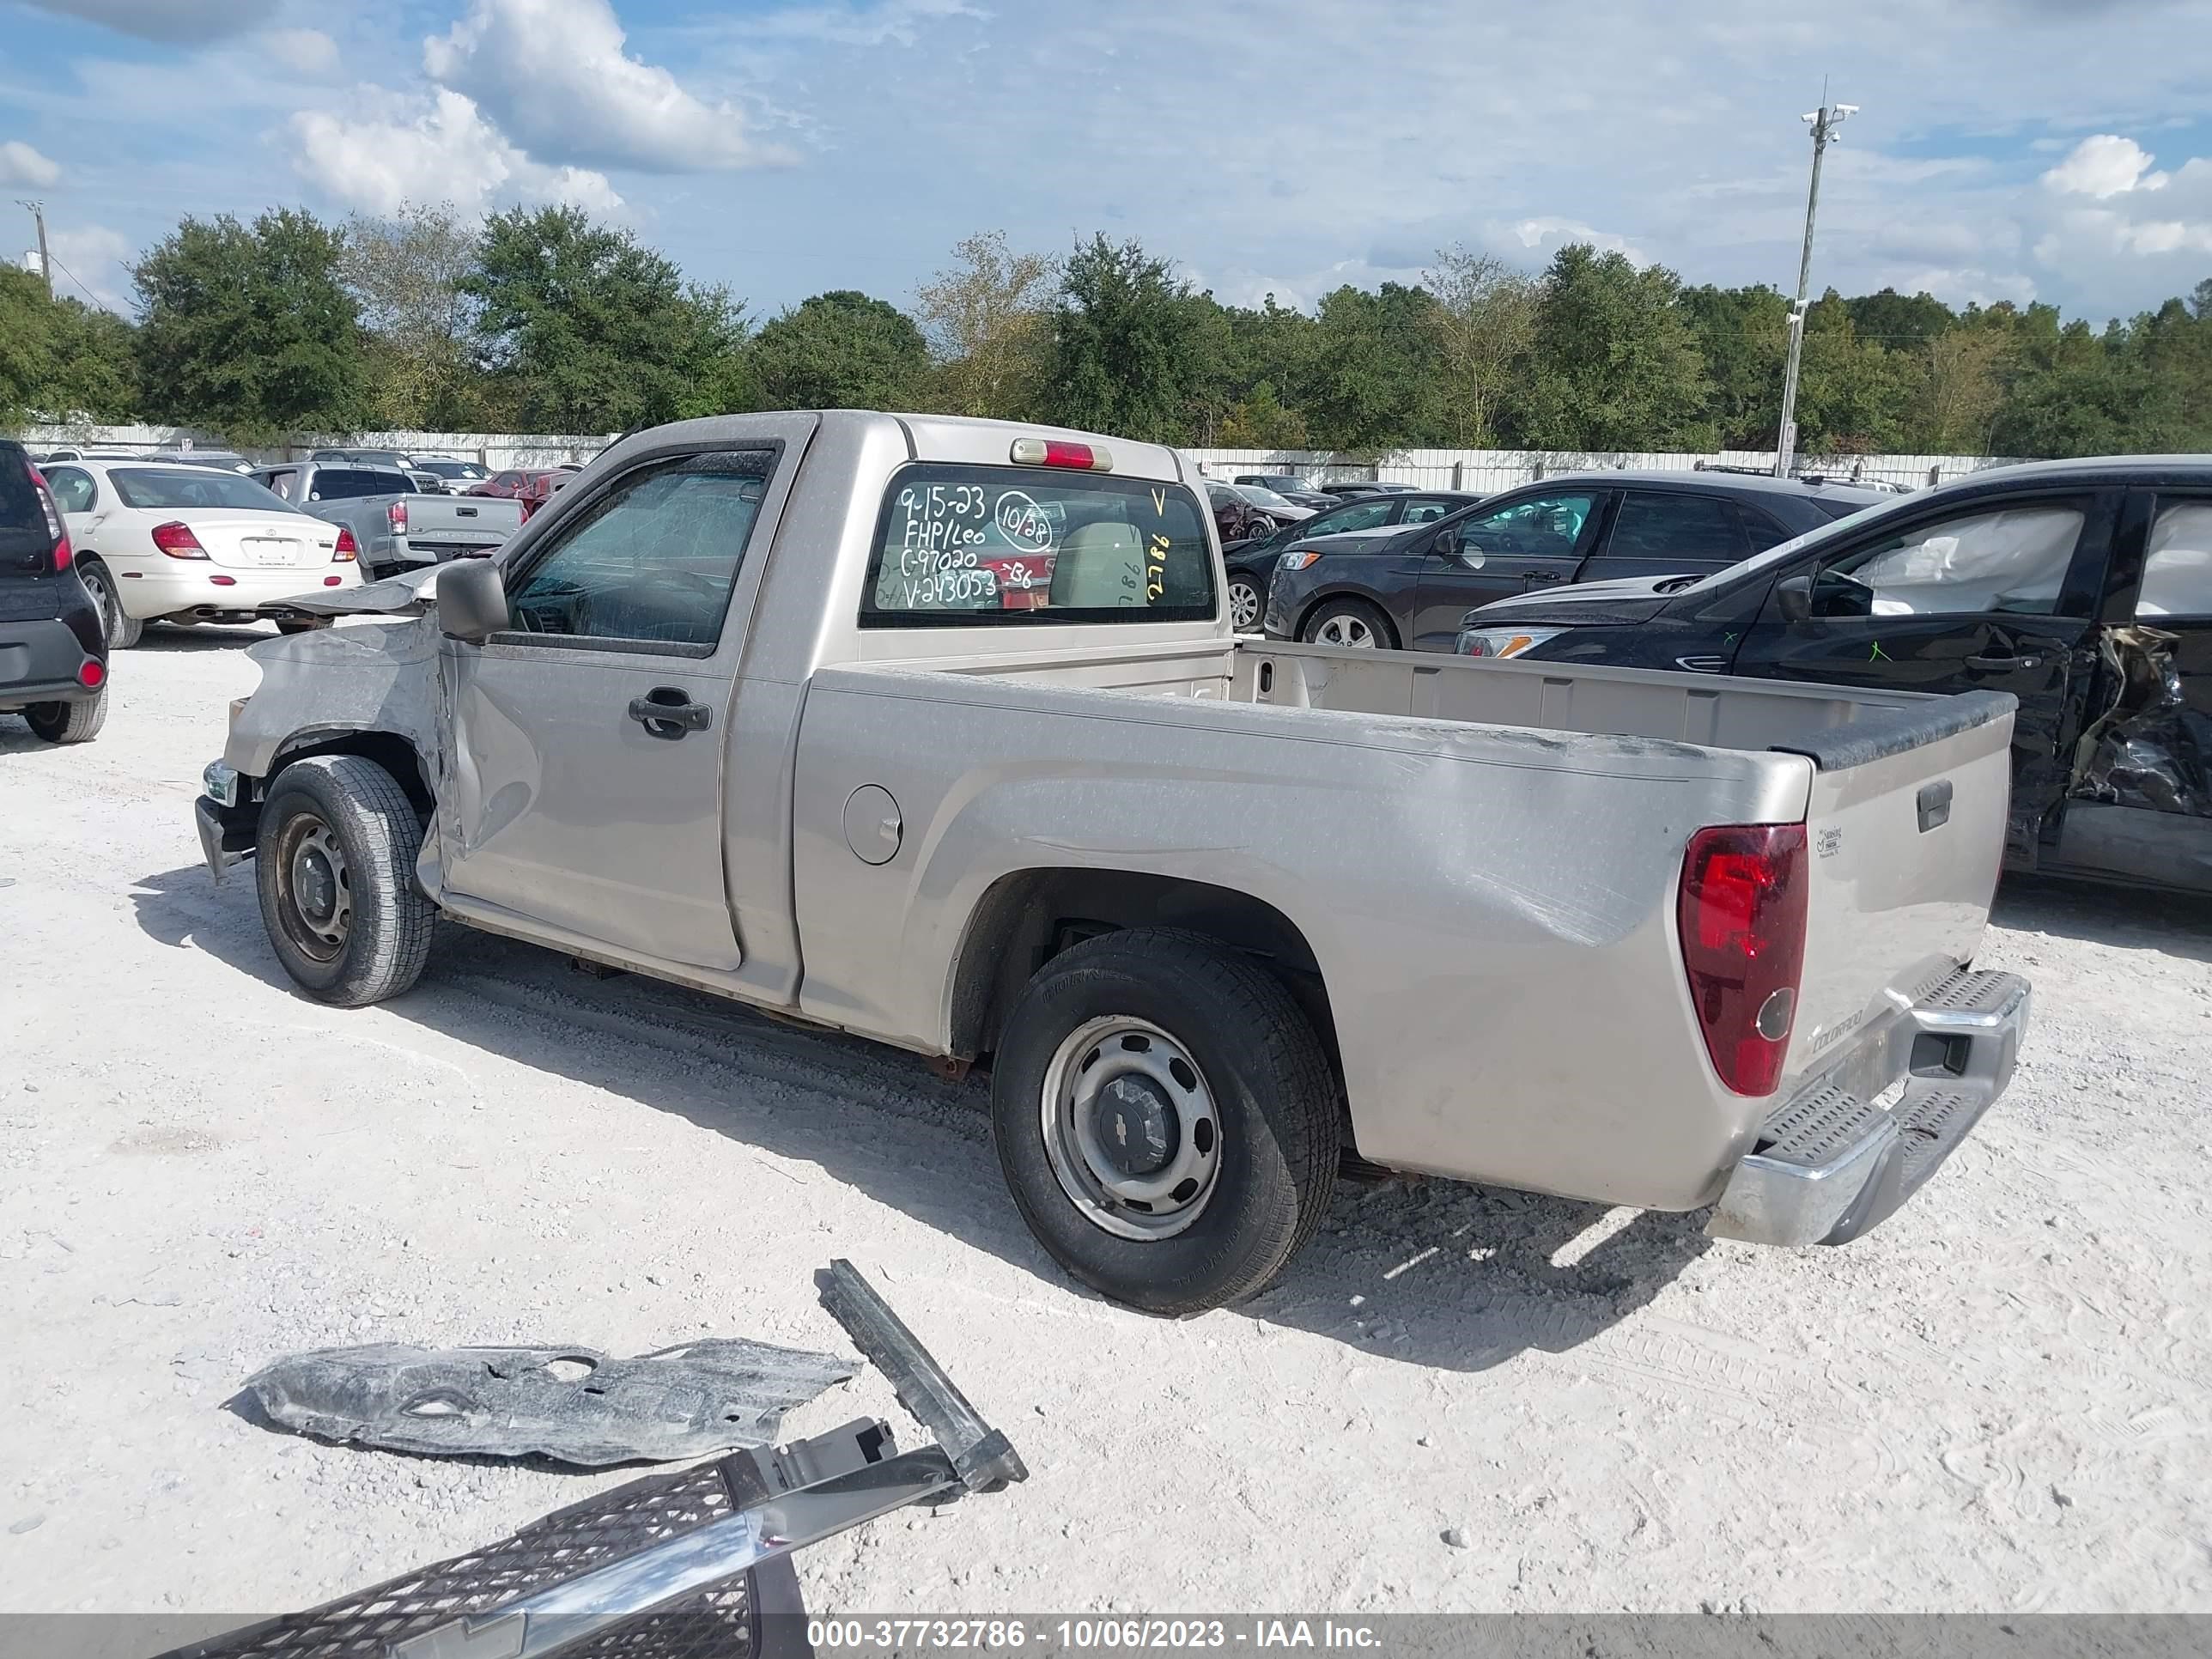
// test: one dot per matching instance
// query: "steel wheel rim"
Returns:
(315, 887)
(1150, 1203)
(1347, 629)
(1243, 605)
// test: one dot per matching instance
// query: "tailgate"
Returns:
(1905, 830)
(471, 521)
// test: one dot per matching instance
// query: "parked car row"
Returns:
(2083, 588)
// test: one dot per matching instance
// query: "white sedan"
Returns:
(192, 544)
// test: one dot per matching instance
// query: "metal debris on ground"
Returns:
(574, 1404)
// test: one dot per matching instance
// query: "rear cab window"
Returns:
(337, 484)
(965, 545)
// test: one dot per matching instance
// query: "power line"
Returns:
(97, 301)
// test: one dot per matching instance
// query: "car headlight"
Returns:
(1299, 560)
(1503, 642)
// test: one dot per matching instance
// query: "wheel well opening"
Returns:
(1027, 919)
(387, 749)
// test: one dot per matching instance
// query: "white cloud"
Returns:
(554, 74)
(1537, 235)
(92, 258)
(888, 22)
(21, 165)
(442, 149)
(2105, 166)
(304, 51)
(2143, 222)
(167, 19)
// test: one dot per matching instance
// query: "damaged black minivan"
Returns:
(2083, 587)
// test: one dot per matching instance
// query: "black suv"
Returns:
(54, 650)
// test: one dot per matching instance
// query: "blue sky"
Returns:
(2052, 149)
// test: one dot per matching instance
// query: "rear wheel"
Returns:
(1166, 1118)
(69, 722)
(123, 631)
(335, 867)
(1352, 622)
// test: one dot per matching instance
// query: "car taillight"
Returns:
(1741, 913)
(178, 541)
(396, 516)
(63, 553)
(347, 548)
(1058, 452)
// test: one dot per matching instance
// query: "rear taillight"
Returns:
(1742, 913)
(346, 549)
(91, 672)
(178, 541)
(63, 553)
(396, 516)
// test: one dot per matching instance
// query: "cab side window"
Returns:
(1423, 511)
(2177, 578)
(2006, 559)
(1541, 526)
(654, 560)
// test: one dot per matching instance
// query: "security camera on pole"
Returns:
(1825, 120)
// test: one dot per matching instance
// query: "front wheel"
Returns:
(1166, 1118)
(335, 865)
(1243, 604)
(1353, 622)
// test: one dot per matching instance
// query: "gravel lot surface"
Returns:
(2001, 1400)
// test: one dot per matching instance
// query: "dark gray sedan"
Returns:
(1409, 589)
(1251, 563)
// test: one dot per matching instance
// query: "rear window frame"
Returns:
(1010, 474)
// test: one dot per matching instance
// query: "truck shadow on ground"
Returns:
(2129, 918)
(161, 637)
(1432, 1272)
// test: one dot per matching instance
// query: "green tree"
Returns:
(407, 274)
(1892, 319)
(1122, 356)
(584, 329)
(1963, 383)
(61, 359)
(250, 329)
(1613, 363)
(1371, 382)
(1853, 396)
(1484, 314)
(1743, 335)
(989, 321)
(840, 351)
(1259, 420)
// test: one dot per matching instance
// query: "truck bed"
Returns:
(1504, 845)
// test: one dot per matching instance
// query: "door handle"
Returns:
(2001, 663)
(1546, 576)
(668, 712)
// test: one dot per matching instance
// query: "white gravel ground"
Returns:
(1999, 1401)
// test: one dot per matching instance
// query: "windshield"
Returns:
(1266, 499)
(168, 488)
(452, 468)
(1781, 552)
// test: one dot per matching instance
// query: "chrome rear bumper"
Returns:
(1832, 1164)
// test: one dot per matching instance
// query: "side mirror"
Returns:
(1446, 545)
(1793, 597)
(471, 600)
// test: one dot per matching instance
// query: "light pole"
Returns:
(37, 210)
(1825, 120)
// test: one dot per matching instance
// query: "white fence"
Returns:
(496, 451)
(1486, 469)
(1482, 470)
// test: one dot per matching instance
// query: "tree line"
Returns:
(545, 321)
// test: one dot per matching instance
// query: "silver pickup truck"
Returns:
(937, 731)
(397, 527)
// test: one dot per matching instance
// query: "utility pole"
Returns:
(45, 260)
(1825, 120)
